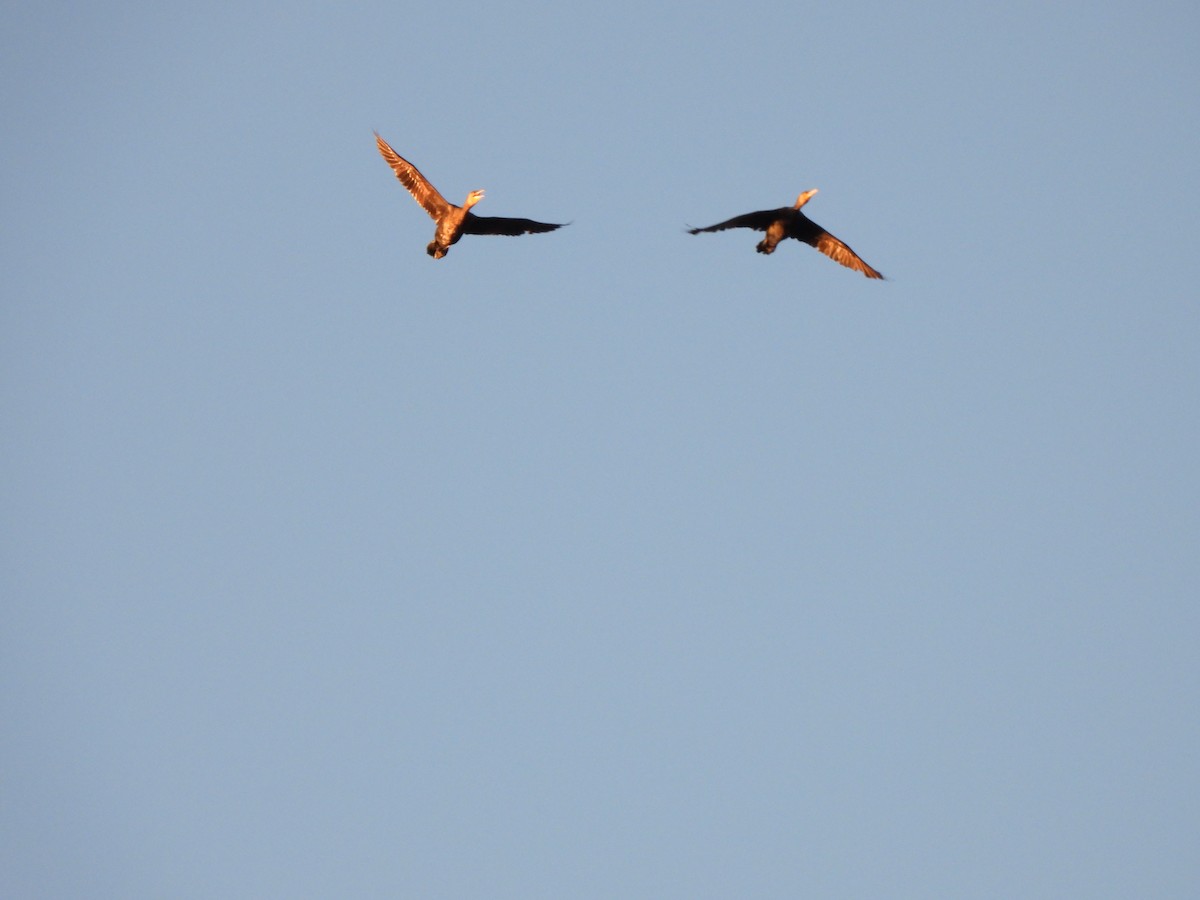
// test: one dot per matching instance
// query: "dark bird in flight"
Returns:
(452, 221)
(789, 222)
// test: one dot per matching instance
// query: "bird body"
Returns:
(452, 221)
(789, 222)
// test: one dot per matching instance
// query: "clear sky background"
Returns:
(613, 562)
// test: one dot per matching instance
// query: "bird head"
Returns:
(473, 198)
(805, 197)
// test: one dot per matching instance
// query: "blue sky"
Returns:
(612, 562)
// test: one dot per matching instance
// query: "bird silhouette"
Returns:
(452, 221)
(789, 222)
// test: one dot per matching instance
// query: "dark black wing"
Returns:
(756, 220)
(474, 224)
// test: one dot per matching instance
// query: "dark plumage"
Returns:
(789, 222)
(452, 221)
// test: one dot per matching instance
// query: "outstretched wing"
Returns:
(841, 253)
(756, 220)
(474, 224)
(418, 185)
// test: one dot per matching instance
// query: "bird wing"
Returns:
(474, 224)
(756, 220)
(418, 185)
(841, 253)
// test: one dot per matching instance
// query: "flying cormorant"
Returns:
(789, 222)
(452, 221)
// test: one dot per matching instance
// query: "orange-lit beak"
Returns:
(805, 197)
